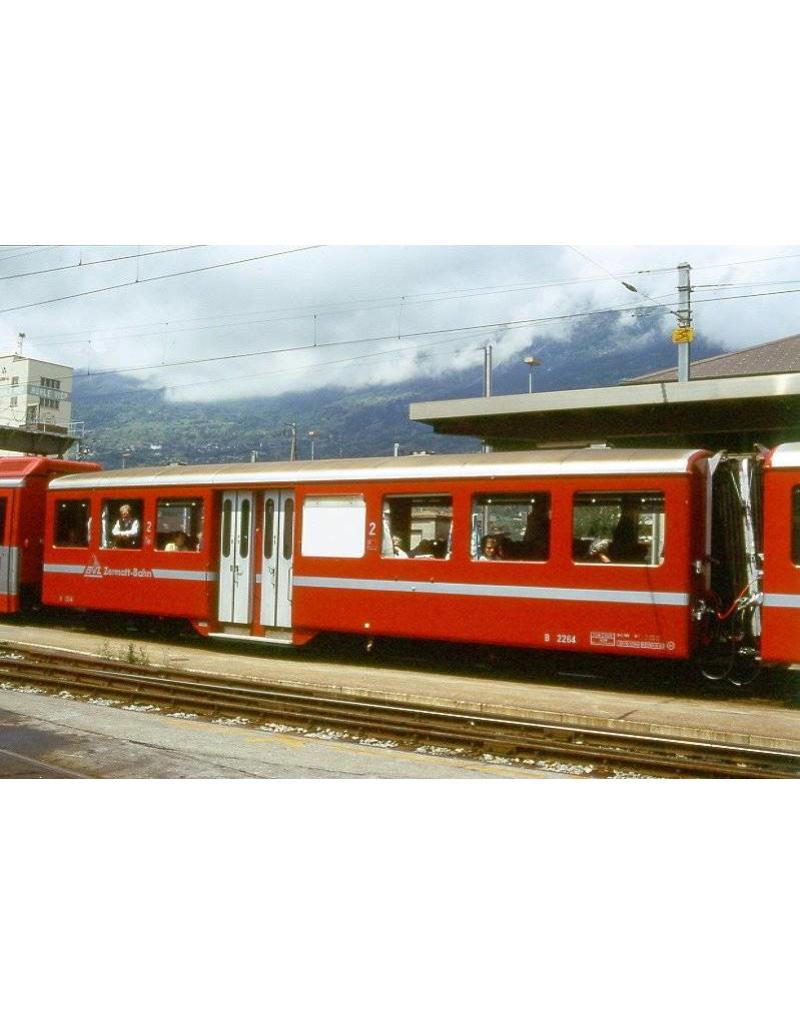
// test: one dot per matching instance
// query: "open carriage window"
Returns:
(511, 527)
(796, 525)
(623, 527)
(179, 524)
(417, 526)
(121, 523)
(73, 524)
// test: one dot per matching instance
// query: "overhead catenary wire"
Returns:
(615, 277)
(506, 325)
(373, 304)
(290, 369)
(159, 277)
(96, 263)
(32, 250)
(501, 325)
(318, 310)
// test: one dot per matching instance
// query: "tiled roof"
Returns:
(782, 356)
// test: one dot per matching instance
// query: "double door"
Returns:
(9, 558)
(276, 566)
(241, 565)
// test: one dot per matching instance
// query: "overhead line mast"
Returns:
(684, 332)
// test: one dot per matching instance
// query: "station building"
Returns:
(733, 401)
(35, 406)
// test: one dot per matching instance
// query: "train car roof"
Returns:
(785, 456)
(14, 468)
(558, 462)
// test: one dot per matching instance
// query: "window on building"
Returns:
(13, 402)
(417, 526)
(511, 527)
(796, 525)
(73, 524)
(179, 524)
(121, 523)
(14, 381)
(623, 527)
(334, 527)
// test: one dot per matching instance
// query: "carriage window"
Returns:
(3, 502)
(72, 524)
(334, 527)
(179, 524)
(121, 523)
(796, 525)
(269, 526)
(244, 536)
(510, 527)
(226, 527)
(625, 527)
(288, 527)
(417, 526)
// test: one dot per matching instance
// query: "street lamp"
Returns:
(313, 435)
(530, 362)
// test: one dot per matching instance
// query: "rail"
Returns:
(604, 750)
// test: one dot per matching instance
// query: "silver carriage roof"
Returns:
(785, 456)
(554, 463)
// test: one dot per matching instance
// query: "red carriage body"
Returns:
(23, 488)
(280, 552)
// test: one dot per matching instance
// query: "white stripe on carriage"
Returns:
(782, 600)
(162, 574)
(184, 574)
(482, 590)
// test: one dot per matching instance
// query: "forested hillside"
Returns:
(122, 416)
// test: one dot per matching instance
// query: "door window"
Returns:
(244, 536)
(269, 527)
(227, 507)
(288, 527)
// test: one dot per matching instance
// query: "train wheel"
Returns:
(745, 669)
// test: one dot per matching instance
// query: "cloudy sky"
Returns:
(352, 316)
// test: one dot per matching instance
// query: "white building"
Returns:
(35, 396)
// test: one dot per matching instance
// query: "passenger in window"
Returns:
(125, 530)
(397, 548)
(423, 550)
(625, 545)
(490, 550)
(180, 542)
(536, 539)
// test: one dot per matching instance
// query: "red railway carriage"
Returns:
(780, 641)
(593, 550)
(23, 486)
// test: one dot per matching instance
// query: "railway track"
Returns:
(604, 751)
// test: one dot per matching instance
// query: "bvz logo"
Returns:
(94, 568)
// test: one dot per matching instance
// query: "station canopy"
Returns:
(35, 441)
(732, 401)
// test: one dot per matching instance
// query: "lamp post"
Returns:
(313, 435)
(530, 362)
